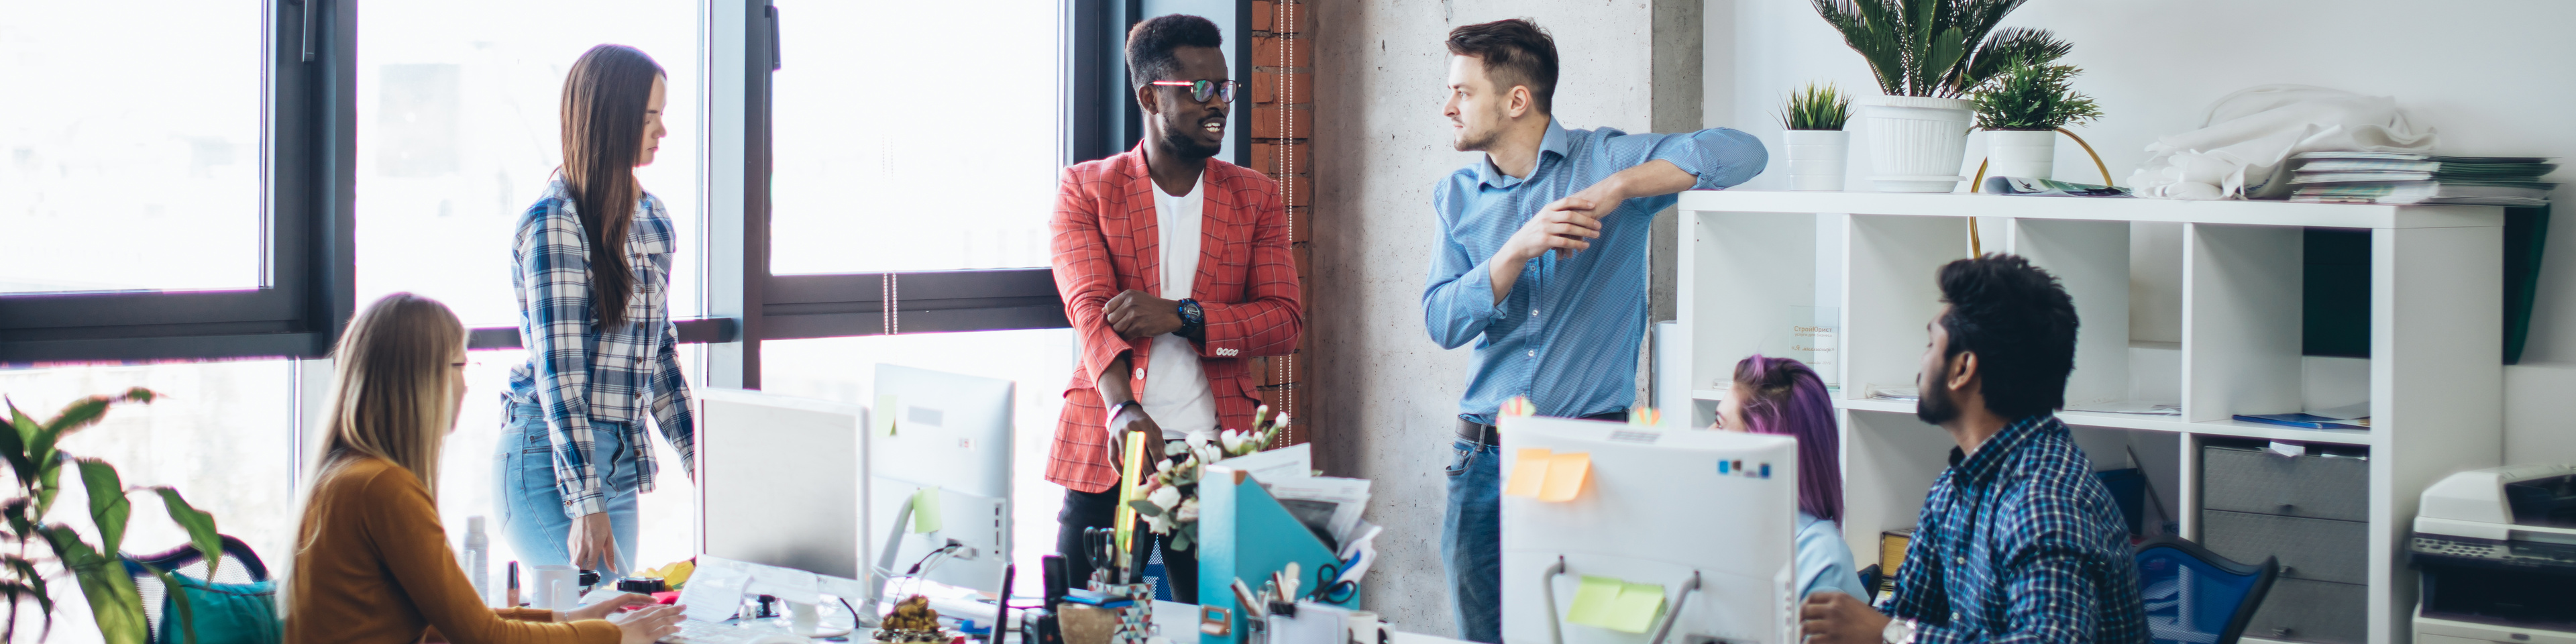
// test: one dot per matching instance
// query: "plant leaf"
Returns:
(79, 414)
(108, 507)
(200, 525)
(1146, 508)
(20, 525)
(113, 601)
(178, 598)
(13, 447)
(49, 482)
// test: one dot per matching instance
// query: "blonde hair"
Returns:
(390, 392)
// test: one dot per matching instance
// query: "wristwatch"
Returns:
(1899, 631)
(1192, 319)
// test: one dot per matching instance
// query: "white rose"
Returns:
(1165, 497)
(1188, 512)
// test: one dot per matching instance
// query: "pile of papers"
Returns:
(2406, 178)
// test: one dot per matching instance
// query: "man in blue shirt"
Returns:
(2017, 542)
(1543, 256)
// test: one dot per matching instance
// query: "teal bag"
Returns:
(222, 613)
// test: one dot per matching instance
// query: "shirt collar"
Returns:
(1990, 457)
(1554, 142)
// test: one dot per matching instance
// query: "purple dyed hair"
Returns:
(1785, 397)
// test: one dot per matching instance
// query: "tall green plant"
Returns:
(29, 447)
(1938, 48)
(1816, 107)
(2034, 97)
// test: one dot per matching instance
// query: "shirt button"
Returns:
(1954, 617)
(1533, 353)
(1961, 560)
(1533, 312)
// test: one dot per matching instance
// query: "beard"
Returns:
(1470, 140)
(1179, 141)
(1934, 405)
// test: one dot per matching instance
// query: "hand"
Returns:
(607, 607)
(1565, 226)
(1830, 617)
(1132, 420)
(592, 546)
(1137, 315)
(646, 625)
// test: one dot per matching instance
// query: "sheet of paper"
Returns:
(1283, 464)
(1594, 601)
(600, 594)
(925, 510)
(2293, 450)
(1565, 474)
(881, 418)
(1528, 472)
(714, 591)
(785, 583)
(1636, 608)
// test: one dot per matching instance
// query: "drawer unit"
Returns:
(2244, 479)
(2303, 610)
(2318, 549)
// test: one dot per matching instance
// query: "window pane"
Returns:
(1040, 361)
(149, 129)
(458, 134)
(896, 149)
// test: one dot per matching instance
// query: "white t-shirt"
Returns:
(1176, 387)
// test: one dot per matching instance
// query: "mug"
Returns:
(556, 587)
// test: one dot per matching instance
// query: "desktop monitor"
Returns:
(1657, 508)
(950, 433)
(780, 482)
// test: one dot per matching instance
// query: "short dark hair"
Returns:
(2020, 323)
(1516, 52)
(1150, 45)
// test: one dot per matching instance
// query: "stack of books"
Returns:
(1891, 558)
(2405, 178)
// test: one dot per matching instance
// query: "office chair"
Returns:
(2194, 596)
(237, 605)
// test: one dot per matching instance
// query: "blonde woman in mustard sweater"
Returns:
(371, 561)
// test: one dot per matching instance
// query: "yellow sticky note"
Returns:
(1564, 476)
(925, 510)
(881, 419)
(1636, 608)
(1595, 601)
(1528, 472)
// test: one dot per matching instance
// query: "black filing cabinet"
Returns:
(2311, 512)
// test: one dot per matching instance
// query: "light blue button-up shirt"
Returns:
(1567, 333)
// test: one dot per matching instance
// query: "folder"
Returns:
(1245, 534)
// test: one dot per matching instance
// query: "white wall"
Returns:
(2486, 74)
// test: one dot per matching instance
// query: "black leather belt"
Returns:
(1484, 434)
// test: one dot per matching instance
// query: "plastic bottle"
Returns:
(476, 558)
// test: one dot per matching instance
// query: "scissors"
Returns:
(1100, 546)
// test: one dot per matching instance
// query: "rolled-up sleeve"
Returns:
(1719, 157)
(1459, 303)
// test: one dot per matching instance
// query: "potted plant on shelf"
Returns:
(2022, 109)
(29, 447)
(1927, 55)
(1818, 148)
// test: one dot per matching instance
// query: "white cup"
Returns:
(556, 586)
(1363, 626)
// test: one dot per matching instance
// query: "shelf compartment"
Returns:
(2241, 321)
(1891, 294)
(1750, 273)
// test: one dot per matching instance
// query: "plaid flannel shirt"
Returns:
(583, 375)
(2020, 543)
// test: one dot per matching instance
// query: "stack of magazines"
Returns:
(2405, 178)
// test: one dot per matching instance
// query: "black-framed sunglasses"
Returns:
(1200, 90)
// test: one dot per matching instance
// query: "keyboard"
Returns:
(697, 632)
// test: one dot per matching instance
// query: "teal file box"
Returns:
(1244, 533)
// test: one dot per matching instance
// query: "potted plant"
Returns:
(1818, 148)
(29, 447)
(1927, 55)
(2021, 110)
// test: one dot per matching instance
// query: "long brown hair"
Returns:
(390, 395)
(603, 131)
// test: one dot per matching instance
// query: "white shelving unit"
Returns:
(2433, 376)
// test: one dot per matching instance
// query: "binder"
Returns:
(1246, 534)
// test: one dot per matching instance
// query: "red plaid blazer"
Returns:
(1106, 242)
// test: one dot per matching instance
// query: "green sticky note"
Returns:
(925, 512)
(881, 419)
(1595, 602)
(1637, 607)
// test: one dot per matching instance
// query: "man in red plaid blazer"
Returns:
(1175, 271)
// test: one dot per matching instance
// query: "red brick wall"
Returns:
(1282, 115)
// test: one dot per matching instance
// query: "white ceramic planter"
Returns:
(2029, 154)
(1916, 142)
(1817, 158)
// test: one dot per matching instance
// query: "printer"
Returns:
(2497, 552)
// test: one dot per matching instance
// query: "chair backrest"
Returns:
(2195, 596)
(240, 569)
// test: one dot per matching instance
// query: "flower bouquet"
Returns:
(1170, 503)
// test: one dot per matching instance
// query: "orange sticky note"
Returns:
(1529, 472)
(1565, 476)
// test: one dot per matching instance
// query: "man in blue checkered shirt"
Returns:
(2017, 542)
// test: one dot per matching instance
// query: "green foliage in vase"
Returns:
(2034, 97)
(1937, 48)
(29, 445)
(1816, 107)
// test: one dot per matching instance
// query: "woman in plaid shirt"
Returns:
(592, 269)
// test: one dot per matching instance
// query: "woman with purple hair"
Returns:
(1783, 396)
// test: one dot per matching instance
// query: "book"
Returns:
(2456, 168)
(2426, 192)
(1891, 557)
(2306, 421)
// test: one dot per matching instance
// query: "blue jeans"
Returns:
(531, 507)
(1471, 534)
